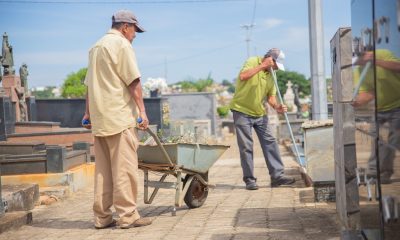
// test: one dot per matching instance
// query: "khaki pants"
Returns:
(116, 178)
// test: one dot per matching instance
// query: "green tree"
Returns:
(44, 94)
(199, 85)
(73, 86)
(229, 84)
(295, 78)
(329, 90)
(187, 85)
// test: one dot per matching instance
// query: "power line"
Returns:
(191, 56)
(118, 2)
(253, 18)
(249, 28)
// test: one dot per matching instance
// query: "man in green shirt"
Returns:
(254, 86)
(385, 90)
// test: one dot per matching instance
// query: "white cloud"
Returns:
(272, 22)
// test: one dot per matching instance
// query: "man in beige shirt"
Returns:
(113, 103)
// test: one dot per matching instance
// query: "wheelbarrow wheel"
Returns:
(197, 192)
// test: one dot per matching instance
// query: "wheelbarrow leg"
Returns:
(178, 192)
(146, 187)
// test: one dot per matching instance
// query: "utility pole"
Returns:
(318, 82)
(248, 28)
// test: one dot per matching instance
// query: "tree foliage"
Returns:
(73, 86)
(199, 85)
(229, 84)
(295, 78)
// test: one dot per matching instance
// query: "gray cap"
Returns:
(127, 16)
(278, 56)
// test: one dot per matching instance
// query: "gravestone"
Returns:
(193, 106)
(7, 118)
(157, 110)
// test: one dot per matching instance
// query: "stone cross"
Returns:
(288, 97)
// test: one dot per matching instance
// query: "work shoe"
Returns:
(141, 222)
(113, 223)
(282, 181)
(251, 186)
(385, 178)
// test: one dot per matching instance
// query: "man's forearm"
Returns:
(389, 65)
(272, 102)
(87, 102)
(135, 89)
(246, 75)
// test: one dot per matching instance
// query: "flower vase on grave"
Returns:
(155, 93)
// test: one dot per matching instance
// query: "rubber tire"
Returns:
(197, 192)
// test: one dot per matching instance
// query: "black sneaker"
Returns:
(251, 186)
(282, 181)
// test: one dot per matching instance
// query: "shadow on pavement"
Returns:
(284, 223)
(63, 223)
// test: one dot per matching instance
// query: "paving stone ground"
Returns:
(230, 211)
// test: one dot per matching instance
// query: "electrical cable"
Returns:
(118, 2)
(193, 56)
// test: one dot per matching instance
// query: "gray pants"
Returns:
(244, 125)
(387, 149)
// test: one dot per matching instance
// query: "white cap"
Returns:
(278, 57)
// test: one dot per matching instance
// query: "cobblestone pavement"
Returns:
(230, 212)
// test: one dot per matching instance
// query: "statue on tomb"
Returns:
(7, 53)
(1, 74)
(297, 99)
(23, 109)
(23, 74)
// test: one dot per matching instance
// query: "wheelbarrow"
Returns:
(189, 163)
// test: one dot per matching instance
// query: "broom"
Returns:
(303, 170)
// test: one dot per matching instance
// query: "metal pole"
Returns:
(248, 28)
(272, 71)
(318, 84)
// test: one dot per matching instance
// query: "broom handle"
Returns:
(361, 79)
(272, 71)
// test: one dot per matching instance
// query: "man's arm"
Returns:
(135, 89)
(393, 65)
(389, 65)
(280, 108)
(86, 116)
(265, 65)
(362, 99)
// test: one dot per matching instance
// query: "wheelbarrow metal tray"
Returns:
(193, 157)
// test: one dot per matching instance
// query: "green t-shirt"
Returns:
(387, 82)
(250, 95)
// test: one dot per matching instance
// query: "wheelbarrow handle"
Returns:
(155, 137)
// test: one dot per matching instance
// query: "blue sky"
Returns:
(183, 40)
